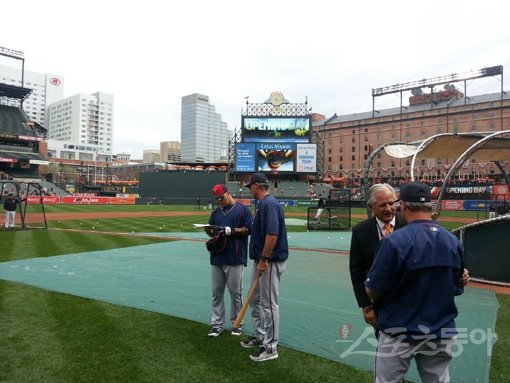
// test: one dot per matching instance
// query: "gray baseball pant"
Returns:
(230, 276)
(265, 313)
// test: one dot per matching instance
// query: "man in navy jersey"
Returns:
(413, 282)
(269, 251)
(231, 222)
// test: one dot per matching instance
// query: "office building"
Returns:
(83, 119)
(46, 89)
(204, 136)
(170, 151)
(151, 156)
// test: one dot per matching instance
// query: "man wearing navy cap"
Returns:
(269, 250)
(230, 221)
(412, 283)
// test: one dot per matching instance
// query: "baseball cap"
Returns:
(219, 190)
(256, 178)
(415, 192)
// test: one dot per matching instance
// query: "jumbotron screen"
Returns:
(275, 129)
(276, 158)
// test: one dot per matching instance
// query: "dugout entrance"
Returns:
(29, 215)
(333, 213)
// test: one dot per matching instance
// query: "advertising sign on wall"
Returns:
(245, 158)
(306, 158)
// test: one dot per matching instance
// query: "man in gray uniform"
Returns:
(269, 250)
(230, 224)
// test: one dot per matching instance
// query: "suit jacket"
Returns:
(364, 243)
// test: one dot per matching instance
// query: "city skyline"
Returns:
(333, 55)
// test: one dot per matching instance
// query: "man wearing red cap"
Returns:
(231, 222)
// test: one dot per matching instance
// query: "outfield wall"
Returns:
(189, 185)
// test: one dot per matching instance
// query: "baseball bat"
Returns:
(241, 313)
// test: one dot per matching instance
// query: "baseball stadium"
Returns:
(97, 288)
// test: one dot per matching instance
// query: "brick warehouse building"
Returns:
(348, 140)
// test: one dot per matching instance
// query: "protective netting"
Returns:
(318, 311)
(486, 250)
(330, 218)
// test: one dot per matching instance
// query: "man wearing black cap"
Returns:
(10, 205)
(230, 222)
(412, 283)
(269, 250)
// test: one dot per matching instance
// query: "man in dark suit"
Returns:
(365, 240)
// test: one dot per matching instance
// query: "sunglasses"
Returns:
(219, 198)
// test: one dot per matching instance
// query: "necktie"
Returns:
(388, 229)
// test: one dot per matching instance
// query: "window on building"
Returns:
(473, 128)
(353, 157)
(353, 149)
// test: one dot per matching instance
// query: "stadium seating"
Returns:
(53, 189)
(13, 120)
(290, 189)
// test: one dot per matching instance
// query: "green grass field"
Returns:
(48, 337)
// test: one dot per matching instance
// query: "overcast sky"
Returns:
(150, 53)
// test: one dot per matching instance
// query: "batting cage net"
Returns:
(333, 214)
(486, 250)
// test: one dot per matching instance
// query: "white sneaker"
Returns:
(262, 355)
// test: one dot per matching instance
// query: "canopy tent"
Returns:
(459, 147)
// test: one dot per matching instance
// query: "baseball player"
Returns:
(269, 250)
(231, 222)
